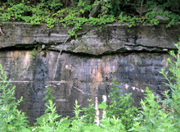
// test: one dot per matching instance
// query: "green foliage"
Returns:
(78, 121)
(120, 106)
(89, 112)
(77, 110)
(11, 119)
(132, 20)
(33, 53)
(112, 71)
(160, 118)
(171, 17)
(106, 7)
(112, 125)
(173, 81)
(49, 121)
(77, 13)
(153, 117)
(48, 93)
(85, 5)
(107, 124)
(16, 11)
(116, 6)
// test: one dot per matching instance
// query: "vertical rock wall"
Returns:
(79, 77)
(83, 68)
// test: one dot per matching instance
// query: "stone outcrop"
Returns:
(95, 10)
(86, 66)
(111, 38)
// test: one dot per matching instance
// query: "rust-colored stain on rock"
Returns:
(97, 75)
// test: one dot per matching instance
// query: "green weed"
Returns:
(52, 12)
(11, 119)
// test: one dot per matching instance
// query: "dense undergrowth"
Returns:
(79, 12)
(119, 115)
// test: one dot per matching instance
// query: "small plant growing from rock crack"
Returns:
(35, 51)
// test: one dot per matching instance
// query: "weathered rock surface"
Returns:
(92, 40)
(95, 10)
(86, 66)
(162, 19)
(79, 77)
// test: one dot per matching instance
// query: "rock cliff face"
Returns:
(83, 68)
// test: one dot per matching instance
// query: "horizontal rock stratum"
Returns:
(91, 39)
(86, 66)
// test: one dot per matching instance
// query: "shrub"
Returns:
(11, 119)
(154, 117)
(89, 112)
(120, 107)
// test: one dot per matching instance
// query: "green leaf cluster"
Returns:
(89, 112)
(50, 122)
(162, 115)
(11, 119)
(120, 106)
(76, 12)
